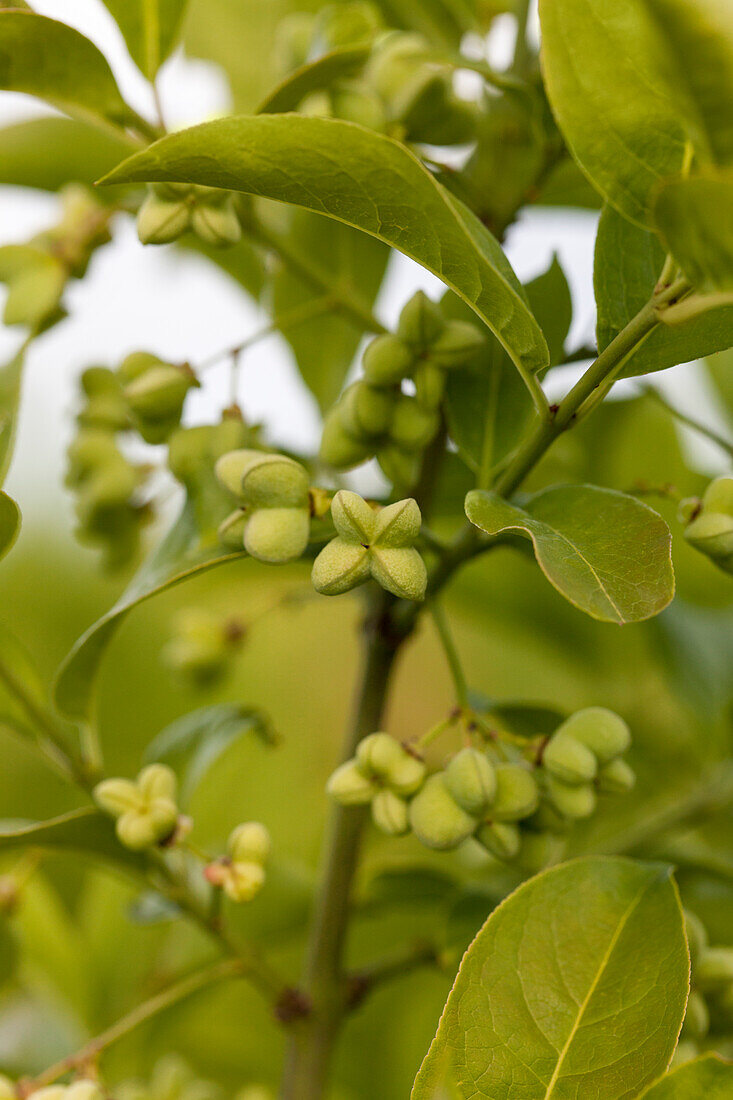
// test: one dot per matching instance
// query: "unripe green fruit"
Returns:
(249, 842)
(389, 813)
(697, 1016)
(378, 753)
(136, 364)
(602, 731)
(421, 322)
(569, 760)
(436, 819)
(471, 780)
(387, 360)
(160, 221)
(712, 534)
(99, 382)
(353, 518)
(399, 571)
(349, 786)
(718, 497)
(502, 840)
(339, 567)
(340, 449)
(159, 393)
(573, 800)
(407, 775)
(516, 795)
(398, 524)
(539, 850)
(413, 426)
(355, 102)
(217, 225)
(243, 880)
(697, 937)
(714, 970)
(273, 480)
(547, 819)
(193, 450)
(277, 535)
(373, 408)
(231, 467)
(429, 385)
(231, 531)
(399, 466)
(617, 777)
(457, 344)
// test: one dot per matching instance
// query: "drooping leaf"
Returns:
(313, 77)
(10, 379)
(360, 178)
(193, 743)
(86, 832)
(324, 346)
(708, 1076)
(48, 153)
(575, 987)
(632, 83)
(605, 552)
(628, 262)
(149, 28)
(695, 219)
(9, 523)
(487, 406)
(51, 60)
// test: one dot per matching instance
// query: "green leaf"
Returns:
(487, 406)
(193, 743)
(314, 77)
(708, 1076)
(605, 552)
(365, 180)
(9, 523)
(695, 219)
(632, 84)
(628, 262)
(10, 379)
(87, 832)
(48, 153)
(443, 22)
(325, 346)
(182, 554)
(575, 987)
(48, 59)
(150, 29)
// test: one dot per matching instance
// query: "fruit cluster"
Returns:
(36, 273)
(710, 522)
(170, 209)
(374, 417)
(372, 544)
(484, 793)
(273, 518)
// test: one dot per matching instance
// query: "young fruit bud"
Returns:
(457, 344)
(501, 839)
(407, 775)
(399, 571)
(339, 567)
(373, 408)
(471, 780)
(159, 393)
(712, 534)
(697, 1016)
(714, 970)
(216, 224)
(160, 221)
(568, 760)
(145, 810)
(398, 524)
(275, 481)
(249, 842)
(353, 518)
(340, 449)
(516, 793)
(718, 497)
(413, 426)
(349, 786)
(377, 754)
(429, 385)
(241, 880)
(436, 819)
(231, 530)
(421, 322)
(399, 466)
(697, 937)
(389, 813)
(600, 730)
(277, 535)
(387, 360)
(616, 778)
(572, 800)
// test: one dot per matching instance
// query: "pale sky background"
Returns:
(181, 307)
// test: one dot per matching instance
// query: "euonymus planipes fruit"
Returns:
(710, 522)
(145, 809)
(171, 209)
(241, 872)
(273, 494)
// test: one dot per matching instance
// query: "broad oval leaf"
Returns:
(651, 76)
(709, 1077)
(365, 180)
(575, 987)
(48, 153)
(695, 219)
(48, 59)
(192, 743)
(628, 262)
(9, 523)
(181, 555)
(149, 28)
(86, 832)
(605, 552)
(317, 75)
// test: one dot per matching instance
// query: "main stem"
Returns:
(312, 1039)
